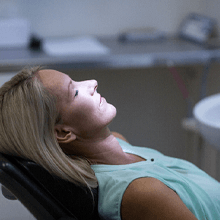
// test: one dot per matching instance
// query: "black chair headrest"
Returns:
(77, 199)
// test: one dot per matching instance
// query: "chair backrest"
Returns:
(44, 195)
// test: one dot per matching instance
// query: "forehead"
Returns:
(53, 78)
(56, 82)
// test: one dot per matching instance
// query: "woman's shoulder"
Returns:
(149, 198)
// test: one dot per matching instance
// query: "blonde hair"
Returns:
(28, 114)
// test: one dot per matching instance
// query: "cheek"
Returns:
(84, 117)
(89, 117)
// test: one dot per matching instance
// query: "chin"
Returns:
(111, 113)
(114, 110)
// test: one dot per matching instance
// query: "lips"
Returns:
(101, 100)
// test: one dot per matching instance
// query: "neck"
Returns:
(103, 149)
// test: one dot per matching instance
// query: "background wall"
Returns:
(102, 17)
(151, 117)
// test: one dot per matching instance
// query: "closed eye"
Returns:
(76, 93)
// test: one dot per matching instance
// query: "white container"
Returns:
(207, 115)
(14, 32)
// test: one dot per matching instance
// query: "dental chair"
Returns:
(47, 197)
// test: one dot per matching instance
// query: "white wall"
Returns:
(211, 8)
(100, 17)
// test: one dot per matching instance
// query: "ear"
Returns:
(64, 134)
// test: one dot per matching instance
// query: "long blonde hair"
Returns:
(28, 114)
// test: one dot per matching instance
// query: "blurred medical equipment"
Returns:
(197, 28)
(142, 35)
(74, 46)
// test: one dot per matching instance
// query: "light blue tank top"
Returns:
(199, 192)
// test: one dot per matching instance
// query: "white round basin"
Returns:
(207, 115)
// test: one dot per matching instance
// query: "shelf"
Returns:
(122, 55)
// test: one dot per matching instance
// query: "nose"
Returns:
(93, 82)
(90, 85)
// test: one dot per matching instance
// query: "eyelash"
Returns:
(77, 91)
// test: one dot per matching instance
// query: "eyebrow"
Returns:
(69, 87)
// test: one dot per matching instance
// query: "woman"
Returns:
(63, 125)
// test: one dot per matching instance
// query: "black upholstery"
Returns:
(46, 196)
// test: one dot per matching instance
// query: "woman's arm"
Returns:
(116, 134)
(150, 199)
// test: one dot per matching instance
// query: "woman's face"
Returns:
(81, 106)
